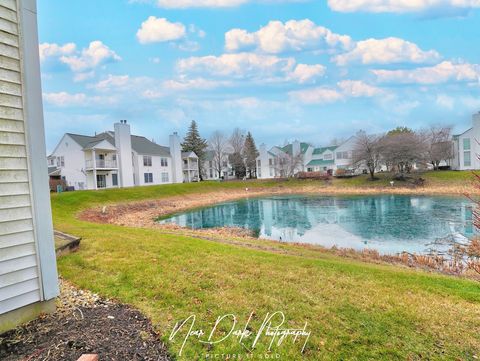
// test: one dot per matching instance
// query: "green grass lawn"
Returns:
(438, 178)
(354, 310)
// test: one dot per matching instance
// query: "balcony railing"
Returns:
(191, 166)
(101, 164)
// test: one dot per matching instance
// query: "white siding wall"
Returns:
(19, 272)
(74, 156)
(156, 169)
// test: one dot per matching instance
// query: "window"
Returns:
(270, 161)
(115, 179)
(51, 161)
(343, 155)
(164, 162)
(148, 177)
(327, 156)
(259, 163)
(211, 173)
(210, 164)
(147, 160)
(60, 161)
(467, 159)
(164, 177)
(466, 144)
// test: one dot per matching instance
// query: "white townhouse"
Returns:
(118, 159)
(466, 147)
(28, 272)
(324, 159)
(210, 168)
(271, 163)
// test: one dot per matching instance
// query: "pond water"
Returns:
(388, 223)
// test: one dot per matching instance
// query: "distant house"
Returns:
(28, 274)
(211, 168)
(304, 157)
(118, 159)
(466, 148)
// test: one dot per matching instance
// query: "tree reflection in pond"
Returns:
(389, 224)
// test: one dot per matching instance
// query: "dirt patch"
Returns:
(84, 323)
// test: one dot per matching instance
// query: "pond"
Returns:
(388, 223)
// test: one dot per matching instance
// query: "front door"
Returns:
(101, 181)
(115, 179)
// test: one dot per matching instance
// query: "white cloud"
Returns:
(251, 66)
(294, 35)
(304, 73)
(242, 65)
(184, 4)
(401, 6)
(48, 50)
(346, 89)
(96, 54)
(150, 88)
(188, 45)
(318, 95)
(386, 51)
(191, 84)
(155, 30)
(461, 102)
(357, 88)
(445, 101)
(79, 77)
(117, 84)
(64, 99)
(441, 73)
(113, 81)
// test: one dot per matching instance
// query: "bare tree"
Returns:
(402, 149)
(439, 145)
(218, 144)
(287, 165)
(237, 159)
(367, 152)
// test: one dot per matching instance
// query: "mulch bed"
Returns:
(85, 323)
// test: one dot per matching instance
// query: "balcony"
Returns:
(190, 166)
(101, 164)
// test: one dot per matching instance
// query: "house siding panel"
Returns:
(19, 301)
(19, 276)
(19, 272)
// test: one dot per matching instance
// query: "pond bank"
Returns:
(144, 213)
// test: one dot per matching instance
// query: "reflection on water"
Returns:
(389, 224)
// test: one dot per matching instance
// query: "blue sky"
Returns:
(282, 69)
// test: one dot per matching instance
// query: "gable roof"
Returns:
(322, 150)
(320, 162)
(458, 135)
(140, 144)
(289, 148)
(189, 155)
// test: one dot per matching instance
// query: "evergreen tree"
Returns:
(251, 154)
(238, 164)
(193, 142)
